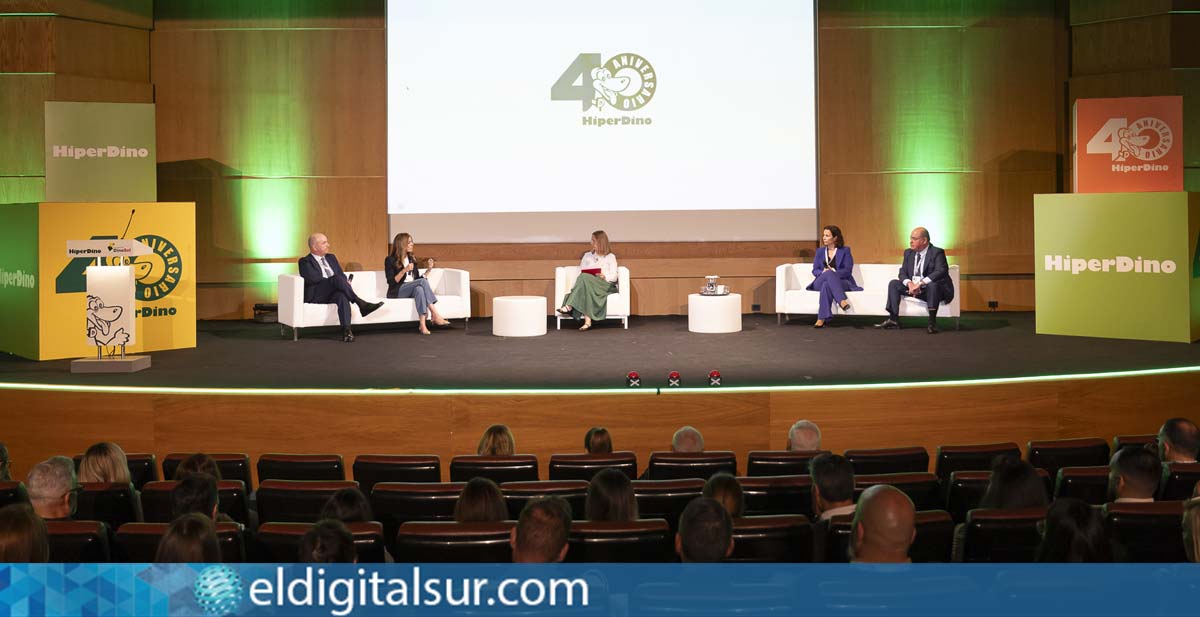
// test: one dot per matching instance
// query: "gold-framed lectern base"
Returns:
(126, 364)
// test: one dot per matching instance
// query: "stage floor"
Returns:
(243, 354)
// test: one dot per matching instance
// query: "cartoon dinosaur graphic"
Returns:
(607, 87)
(99, 323)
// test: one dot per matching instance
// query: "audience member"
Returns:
(597, 441)
(705, 532)
(1133, 475)
(1073, 533)
(104, 462)
(687, 439)
(329, 541)
(348, 505)
(191, 538)
(1191, 527)
(497, 440)
(610, 497)
(197, 463)
(804, 436)
(53, 489)
(5, 471)
(1178, 441)
(884, 526)
(725, 488)
(832, 495)
(195, 492)
(23, 536)
(542, 531)
(480, 502)
(1014, 485)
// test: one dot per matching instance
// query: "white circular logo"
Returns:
(1147, 139)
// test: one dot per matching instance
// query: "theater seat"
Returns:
(665, 499)
(837, 539)
(1148, 532)
(296, 501)
(370, 469)
(498, 469)
(584, 466)
(157, 506)
(281, 541)
(517, 494)
(640, 541)
(889, 460)
(300, 467)
(1087, 483)
(232, 465)
(395, 503)
(776, 539)
(1055, 454)
(976, 457)
(679, 465)
(923, 487)
(1120, 442)
(113, 503)
(142, 467)
(1002, 536)
(967, 488)
(1179, 481)
(13, 492)
(78, 542)
(427, 542)
(139, 541)
(935, 537)
(766, 495)
(780, 462)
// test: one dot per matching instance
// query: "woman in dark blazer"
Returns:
(405, 280)
(833, 274)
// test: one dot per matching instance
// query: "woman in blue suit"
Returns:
(833, 274)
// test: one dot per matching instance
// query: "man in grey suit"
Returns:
(924, 274)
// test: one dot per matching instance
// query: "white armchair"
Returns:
(618, 303)
(791, 298)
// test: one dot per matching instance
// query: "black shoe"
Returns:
(932, 329)
(888, 324)
(366, 308)
(347, 336)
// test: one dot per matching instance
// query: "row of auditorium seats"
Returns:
(368, 469)
(1148, 532)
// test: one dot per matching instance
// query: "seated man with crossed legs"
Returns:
(326, 283)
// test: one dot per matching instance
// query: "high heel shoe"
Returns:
(845, 305)
(564, 310)
(820, 323)
(424, 331)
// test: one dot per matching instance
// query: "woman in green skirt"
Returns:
(588, 299)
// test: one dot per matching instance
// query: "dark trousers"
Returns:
(336, 290)
(933, 295)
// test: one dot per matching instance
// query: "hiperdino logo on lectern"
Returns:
(1118, 263)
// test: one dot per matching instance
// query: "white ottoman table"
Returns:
(519, 316)
(715, 314)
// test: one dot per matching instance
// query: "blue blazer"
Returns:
(843, 262)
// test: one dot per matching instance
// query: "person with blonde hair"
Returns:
(588, 299)
(497, 440)
(405, 280)
(104, 462)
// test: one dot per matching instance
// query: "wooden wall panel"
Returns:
(101, 50)
(26, 44)
(22, 121)
(133, 13)
(285, 14)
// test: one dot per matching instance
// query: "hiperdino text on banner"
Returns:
(1128, 145)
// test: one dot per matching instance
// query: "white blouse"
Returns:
(607, 265)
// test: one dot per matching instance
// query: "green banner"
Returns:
(1118, 265)
(19, 279)
(100, 152)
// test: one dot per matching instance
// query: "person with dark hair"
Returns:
(197, 463)
(1133, 475)
(705, 532)
(497, 440)
(195, 492)
(610, 497)
(191, 538)
(329, 541)
(5, 463)
(726, 489)
(588, 298)
(884, 526)
(1178, 441)
(833, 274)
(23, 537)
(542, 531)
(925, 275)
(480, 502)
(1014, 485)
(326, 283)
(598, 441)
(348, 505)
(832, 495)
(1073, 533)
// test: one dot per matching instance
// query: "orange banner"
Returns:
(1128, 145)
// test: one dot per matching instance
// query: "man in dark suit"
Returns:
(326, 283)
(925, 275)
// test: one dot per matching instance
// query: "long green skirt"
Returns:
(589, 297)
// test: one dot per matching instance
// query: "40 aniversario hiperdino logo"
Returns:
(626, 82)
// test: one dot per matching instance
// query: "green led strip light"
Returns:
(996, 381)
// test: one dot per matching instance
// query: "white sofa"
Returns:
(618, 303)
(792, 298)
(452, 288)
